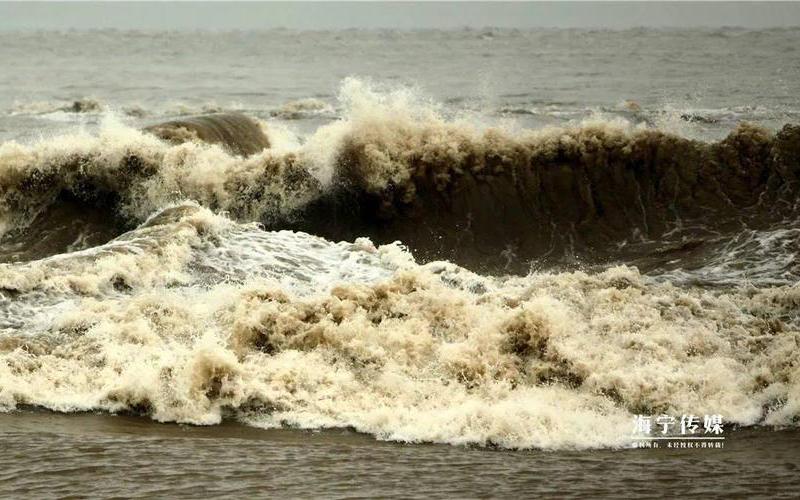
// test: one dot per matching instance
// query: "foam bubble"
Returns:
(192, 316)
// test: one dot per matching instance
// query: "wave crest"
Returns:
(396, 169)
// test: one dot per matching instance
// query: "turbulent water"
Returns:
(592, 226)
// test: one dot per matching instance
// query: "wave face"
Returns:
(236, 132)
(486, 198)
(466, 198)
(495, 286)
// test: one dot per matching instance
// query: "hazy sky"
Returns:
(338, 15)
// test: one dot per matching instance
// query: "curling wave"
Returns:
(392, 170)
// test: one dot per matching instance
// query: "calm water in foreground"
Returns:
(49, 455)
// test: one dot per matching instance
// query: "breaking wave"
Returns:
(394, 169)
(191, 280)
(192, 317)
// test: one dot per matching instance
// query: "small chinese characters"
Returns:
(679, 444)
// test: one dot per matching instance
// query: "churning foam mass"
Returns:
(194, 312)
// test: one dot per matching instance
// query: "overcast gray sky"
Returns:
(338, 15)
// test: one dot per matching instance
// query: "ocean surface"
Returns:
(463, 264)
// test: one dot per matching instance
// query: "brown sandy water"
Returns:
(53, 455)
(655, 198)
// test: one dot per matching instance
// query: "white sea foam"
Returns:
(192, 314)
